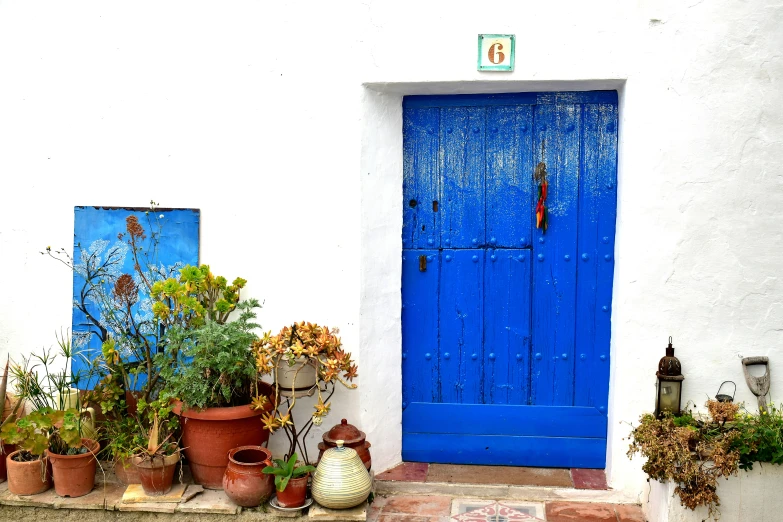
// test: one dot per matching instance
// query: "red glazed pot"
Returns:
(294, 493)
(28, 478)
(126, 472)
(156, 475)
(74, 475)
(208, 435)
(5, 450)
(244, 482)
(351, 436)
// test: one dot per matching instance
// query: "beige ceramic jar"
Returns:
(341, 481)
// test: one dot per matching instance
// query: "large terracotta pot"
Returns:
(27, 478)
(74, 475)
(126, 472)
(244, 481)
(156, 475)
(294, 494)
(208, 435)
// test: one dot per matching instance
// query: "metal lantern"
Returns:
(669, 384)
(724, 397)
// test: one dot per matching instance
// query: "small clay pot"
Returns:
(74, 475)
(156, 475)
(126, 472)
(244, 481)
(294, 494)
(28, 478)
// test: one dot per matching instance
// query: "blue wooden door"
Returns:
(506, 327)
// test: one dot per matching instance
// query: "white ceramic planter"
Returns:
(749, 496)
(298, 379)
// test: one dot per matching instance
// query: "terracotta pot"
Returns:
(74, 475)
(156, 475)
(132, 401)
(294, 493)
(5, 450)
(351, 436)
(244, 482)
(126, 472)
(208, 435)
(28, 478)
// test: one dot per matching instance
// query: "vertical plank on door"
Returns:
(462, 177)
(421, 226)
(461, 321)
(558, 129)
(420, 327)
(596, 236)
(506, 326)
(509, 188)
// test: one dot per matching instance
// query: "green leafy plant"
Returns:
(284, 471)
(760, 437)
(197, 297)
(3, 394)
(694, 452)
(55, 430)
(46, 380)
(216, 366)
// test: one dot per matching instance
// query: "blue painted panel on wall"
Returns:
(506, 332)
(101, 257)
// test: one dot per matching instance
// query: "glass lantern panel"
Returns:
(670, 396)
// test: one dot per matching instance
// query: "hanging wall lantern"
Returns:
(669, 384)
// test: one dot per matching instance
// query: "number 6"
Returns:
(495, 55)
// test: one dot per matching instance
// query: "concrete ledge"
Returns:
(500, 492)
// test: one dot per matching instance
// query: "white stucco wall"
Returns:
(281, 121)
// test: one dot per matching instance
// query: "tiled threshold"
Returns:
(441, 508)
(499, 482)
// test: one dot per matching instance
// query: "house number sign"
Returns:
(496, 52)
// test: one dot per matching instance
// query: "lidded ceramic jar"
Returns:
(341, 481)
(351, 436)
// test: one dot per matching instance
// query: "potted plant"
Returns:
(297, 348)
(117, 307)
(158, 460)
(9, 414)
(694, 451)
(290, 481)
(53, 435)
(215, 381)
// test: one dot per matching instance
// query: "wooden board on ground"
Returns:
(134, 494)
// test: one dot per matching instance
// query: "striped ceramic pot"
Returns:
(341, 481)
